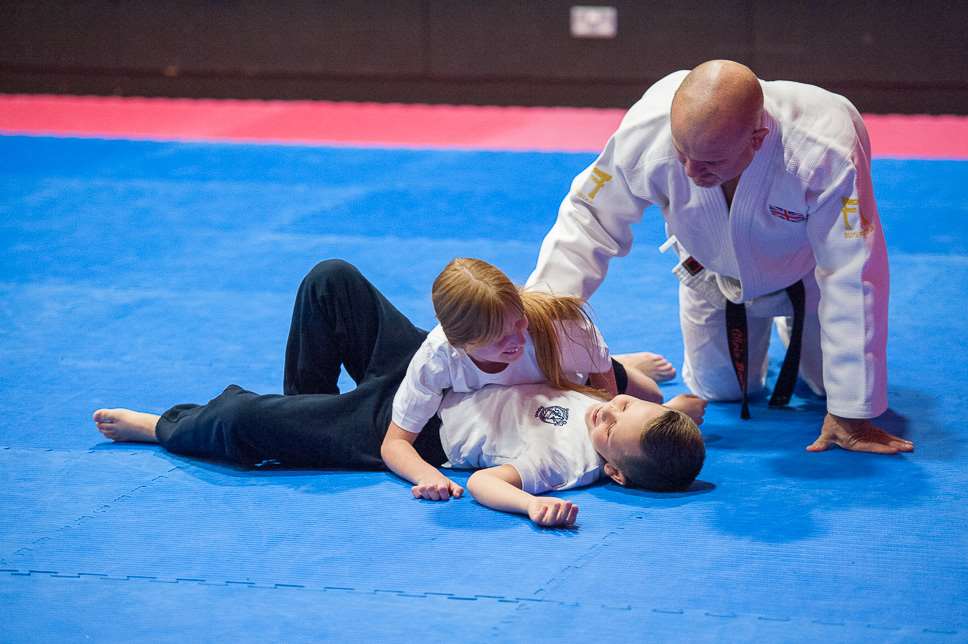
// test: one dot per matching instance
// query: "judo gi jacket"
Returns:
(803, 209)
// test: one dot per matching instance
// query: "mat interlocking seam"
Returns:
(445, 596)
(101, 509)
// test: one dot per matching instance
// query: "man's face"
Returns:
(509, 347)
(616, 426)
(715, 159)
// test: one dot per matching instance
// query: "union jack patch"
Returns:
(788, 215)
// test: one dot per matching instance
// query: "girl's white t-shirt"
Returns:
(539, 431)
(438, 366)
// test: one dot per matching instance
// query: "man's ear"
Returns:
(614, 473)
(758, 135)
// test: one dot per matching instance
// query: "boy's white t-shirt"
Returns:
(538, 430)
(438, 366)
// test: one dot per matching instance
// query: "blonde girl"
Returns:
(491, 332)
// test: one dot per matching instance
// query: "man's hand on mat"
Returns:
(438, 488)
(858, 435)
(551, 513)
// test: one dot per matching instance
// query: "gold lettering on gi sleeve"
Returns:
(849, 208)
(852, 206)
(599, 178)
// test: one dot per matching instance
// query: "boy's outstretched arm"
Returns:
(399, 454)
(500, 488)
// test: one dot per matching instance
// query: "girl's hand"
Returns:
(691, 405)
(437, 488)
(549, 512)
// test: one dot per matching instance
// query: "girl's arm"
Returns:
(604, 380)
(582, 349)
(399, 455)
(689, 404)
(499, 488)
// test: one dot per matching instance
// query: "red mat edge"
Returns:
(395, 125)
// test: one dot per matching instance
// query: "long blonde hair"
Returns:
(471, 298)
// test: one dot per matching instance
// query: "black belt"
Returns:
(738, 339)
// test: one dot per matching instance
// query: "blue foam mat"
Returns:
(145, 274)
(116, 609)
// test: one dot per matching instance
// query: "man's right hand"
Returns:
(437, 488)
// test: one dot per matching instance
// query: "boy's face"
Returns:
(507, 348)
(616, 426)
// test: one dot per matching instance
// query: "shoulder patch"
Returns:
(787, 215)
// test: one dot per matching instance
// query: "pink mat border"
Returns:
(558, 129)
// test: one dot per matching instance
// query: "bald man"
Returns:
(766, 193)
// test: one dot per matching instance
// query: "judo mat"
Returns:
(147, 271)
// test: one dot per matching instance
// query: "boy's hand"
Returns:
(437, 488)
(549, 512)
(691, 405)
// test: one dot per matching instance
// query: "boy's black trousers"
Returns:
(339, 318)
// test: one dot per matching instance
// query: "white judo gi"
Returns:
(803, 209)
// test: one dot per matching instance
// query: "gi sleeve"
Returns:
(593, 226)
(422, 390)
(852, 272)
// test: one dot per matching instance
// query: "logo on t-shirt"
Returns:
(554, 415)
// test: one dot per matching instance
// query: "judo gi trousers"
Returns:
(339, 318)
(707, 368)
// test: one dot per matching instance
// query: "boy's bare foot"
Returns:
(651, 364)
(124, 425)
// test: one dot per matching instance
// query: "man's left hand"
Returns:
(857, 435)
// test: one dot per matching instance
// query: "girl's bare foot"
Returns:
(124, 425)
(651, 364)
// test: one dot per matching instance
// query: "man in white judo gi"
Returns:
(766, 193)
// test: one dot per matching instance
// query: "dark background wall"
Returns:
(886, 56)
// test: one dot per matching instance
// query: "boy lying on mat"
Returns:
(531, 438)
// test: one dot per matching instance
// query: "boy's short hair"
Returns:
(670, 457)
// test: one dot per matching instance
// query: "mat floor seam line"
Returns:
(521, 601)
(104, 507)
(579, 561)
(87, 450)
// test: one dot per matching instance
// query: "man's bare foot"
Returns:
(651, 364)
(124, 425)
